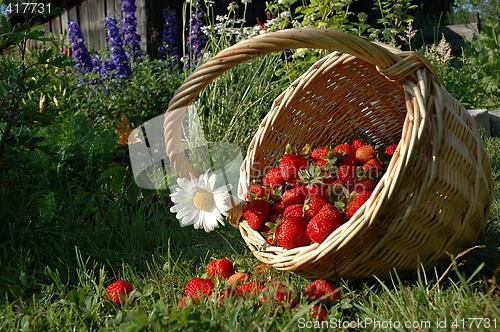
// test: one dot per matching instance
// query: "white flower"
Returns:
(246, 2)
(197, 203)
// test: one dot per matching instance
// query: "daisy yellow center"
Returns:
(203, 200)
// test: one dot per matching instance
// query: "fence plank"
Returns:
(95, 20)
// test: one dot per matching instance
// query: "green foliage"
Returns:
(482, 55)
(23, 72)
(395, 17)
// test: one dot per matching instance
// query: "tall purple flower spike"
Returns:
(195, 41)
(118, 60)
(80, 52)
(170, 36)
(131, 38)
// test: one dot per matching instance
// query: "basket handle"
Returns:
(393, 66)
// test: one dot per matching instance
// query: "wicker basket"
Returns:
(435, 196)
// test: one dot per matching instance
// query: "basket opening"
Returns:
(337, 99)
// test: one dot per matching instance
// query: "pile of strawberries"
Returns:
(310, 193)
(242, 285)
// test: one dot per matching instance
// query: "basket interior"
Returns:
(338, 98)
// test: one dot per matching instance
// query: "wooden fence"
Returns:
(90, 15)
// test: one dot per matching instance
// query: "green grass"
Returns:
(57, 280)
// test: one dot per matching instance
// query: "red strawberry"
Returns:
(365, 153)
(319, 313)
(256, 192)
(313, 205)
(199, 287)
(365, 184)
(291, 233)
(277, 208)
(356, 202)
(248, 288)
(373, 168)
(343, 150)
(357, 143)
(255, 213)
(346, 174)
(324, 223)
(390, 149)
(348, 160)
(273, 178)
(322, 155)
(321, 289)
(292, 196)
(238, 278)
(269, 233)
(183, 302)
(221, 267)
(295, 210)
(263, 269)
(290, 165)
(279, 292)
(118, 291)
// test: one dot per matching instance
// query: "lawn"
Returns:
(72, 219)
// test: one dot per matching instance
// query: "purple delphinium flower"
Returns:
(118, 59)
(195, 41)
(170, 36)
(131, 38)
(80, 53)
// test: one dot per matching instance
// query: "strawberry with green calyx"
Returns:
(221, 267)
(324, 223)
(292, 162)
(256, 192)
(273, 178)
(356, 200)
(118, 291)
(313, 205)
(313, 180)
(268, 231)
(365, 153)
(342, 150)
(324, 157)
(256, 212)
(291, 233)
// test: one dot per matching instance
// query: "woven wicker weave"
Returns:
(435, 196)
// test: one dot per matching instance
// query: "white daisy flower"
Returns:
(197, 203)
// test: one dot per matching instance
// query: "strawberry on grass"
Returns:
(221, 267)
(199, 288)
(118, 291)
(322, 289)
